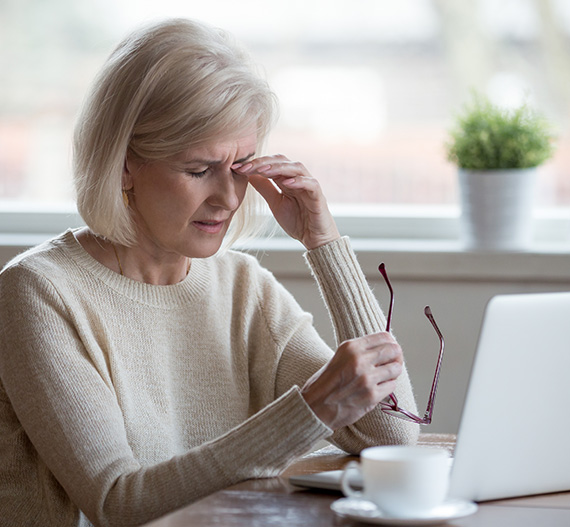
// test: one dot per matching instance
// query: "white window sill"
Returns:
(431, 259)
(414, 243)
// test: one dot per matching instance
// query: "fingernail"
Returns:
(264, 168)
(237, 166)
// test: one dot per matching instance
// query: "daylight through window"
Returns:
(368, 88)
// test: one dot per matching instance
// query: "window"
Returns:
(367, 87)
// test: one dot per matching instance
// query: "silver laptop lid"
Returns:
(514, 436)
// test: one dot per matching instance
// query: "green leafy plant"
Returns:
(488, 137)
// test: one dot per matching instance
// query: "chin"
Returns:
(205, 251)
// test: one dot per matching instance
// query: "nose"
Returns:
(226, 191)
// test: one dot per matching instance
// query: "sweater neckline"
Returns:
(193, 287)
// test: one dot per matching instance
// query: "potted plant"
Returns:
(497, 152)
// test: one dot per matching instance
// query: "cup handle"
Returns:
(344, 482)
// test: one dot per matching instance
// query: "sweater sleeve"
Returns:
(355, 312)
(352, 306)
(72, 422)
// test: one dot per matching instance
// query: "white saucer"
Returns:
(367, 512)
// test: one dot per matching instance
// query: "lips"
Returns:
(209, 226)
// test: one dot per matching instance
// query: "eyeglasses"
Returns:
(391, 407)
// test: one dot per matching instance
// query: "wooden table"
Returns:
(275, 503)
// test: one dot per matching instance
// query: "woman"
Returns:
(139, 371)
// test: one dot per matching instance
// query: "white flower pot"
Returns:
(496, 208)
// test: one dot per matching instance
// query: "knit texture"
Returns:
(122, 401)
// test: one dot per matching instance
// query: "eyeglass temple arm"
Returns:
(428, 314)
(431, 401)
(382, 269)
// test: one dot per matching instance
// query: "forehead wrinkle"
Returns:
(214, 162)
(219, 152)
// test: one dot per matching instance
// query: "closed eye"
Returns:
(197, 174)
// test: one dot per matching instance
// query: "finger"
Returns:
(379, 373)
(259, 164)
(388, 356)
(286, 169)
(307, 184)
(388, 372)
(266, 188)
(273, 167)
(370, 387)
(379, 349)
(377, 339)
(367, 345)
(375, 365)
(384, 390)
(292, 179)
(305, 190)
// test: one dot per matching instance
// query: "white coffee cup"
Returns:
(403, 481)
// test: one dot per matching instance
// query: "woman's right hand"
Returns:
(361, 374)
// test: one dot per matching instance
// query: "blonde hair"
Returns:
(165, 88)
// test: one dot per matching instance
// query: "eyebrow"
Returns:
(214, 162)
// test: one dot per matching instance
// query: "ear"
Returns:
(127, 179)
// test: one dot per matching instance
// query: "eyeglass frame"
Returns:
(392, 408)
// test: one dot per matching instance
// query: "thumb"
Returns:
(270, 193)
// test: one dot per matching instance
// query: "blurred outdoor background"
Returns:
(368, 88)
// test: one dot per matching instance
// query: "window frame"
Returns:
(399, 224)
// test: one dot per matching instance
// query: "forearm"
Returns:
(260, 447)
(84, 445)
(353, 308)
(355, 312)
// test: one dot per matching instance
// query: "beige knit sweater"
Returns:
(122, 401)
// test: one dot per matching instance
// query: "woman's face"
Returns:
(184, 205)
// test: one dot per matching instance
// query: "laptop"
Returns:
(514, 434)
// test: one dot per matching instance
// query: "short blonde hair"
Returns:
(165, 88)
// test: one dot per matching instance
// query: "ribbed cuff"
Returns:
(273, 438)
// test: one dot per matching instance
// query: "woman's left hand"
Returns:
(296, 200)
